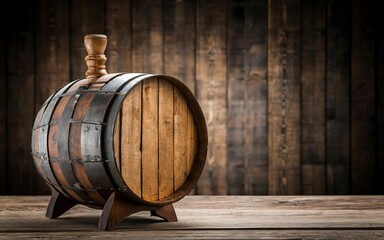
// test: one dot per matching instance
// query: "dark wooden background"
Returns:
(292, 90)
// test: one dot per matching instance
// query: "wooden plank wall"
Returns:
(379, 100)
(313, 135)
(362, 102)
(338, 110)
(292, 90)
(284, 101)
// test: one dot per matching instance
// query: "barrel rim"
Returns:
(202, 146)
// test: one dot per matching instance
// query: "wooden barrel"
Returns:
(141, 135)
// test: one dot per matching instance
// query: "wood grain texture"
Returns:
(256, 135)
(180, 114)
(158, 139)
(130, 137)
(247, 105)
(20, 95)
(87, 17)
(219, 49)
(150, 140)
(338, 97)
(119, 31)
(52, 48)
(236, 97)
(284, 97)
(313, 56)
(166, 139)
(191, 140)
(211, 91)
(209, 217)
(362, 98)
(147, 36)
(179, 30)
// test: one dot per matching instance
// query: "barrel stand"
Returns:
(114, 211)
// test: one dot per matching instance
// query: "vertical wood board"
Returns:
(166, 139)
(179, 30)
(284, 97)
(211, 90)
(255, 109)
(338, 97)
(180, 109)
(130, 140)
(313, 97)
(379, 87)
(147, 36)
(236, 97)
(362, 98)
(52, 48)
(150, 138)
(118, 19)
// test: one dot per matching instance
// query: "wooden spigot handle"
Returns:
(95, 45)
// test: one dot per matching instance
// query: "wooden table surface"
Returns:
(208, 217)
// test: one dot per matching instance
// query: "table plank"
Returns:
(202, 217)
(207, 234)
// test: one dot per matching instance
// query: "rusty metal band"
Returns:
(67, 164)
(108, 137)
(43, 137)
(92, 140)
(75, 188)
(73, 160)
(87, 122)
(63, 146)
(90, 91)
(55, 122)
(90, 159)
